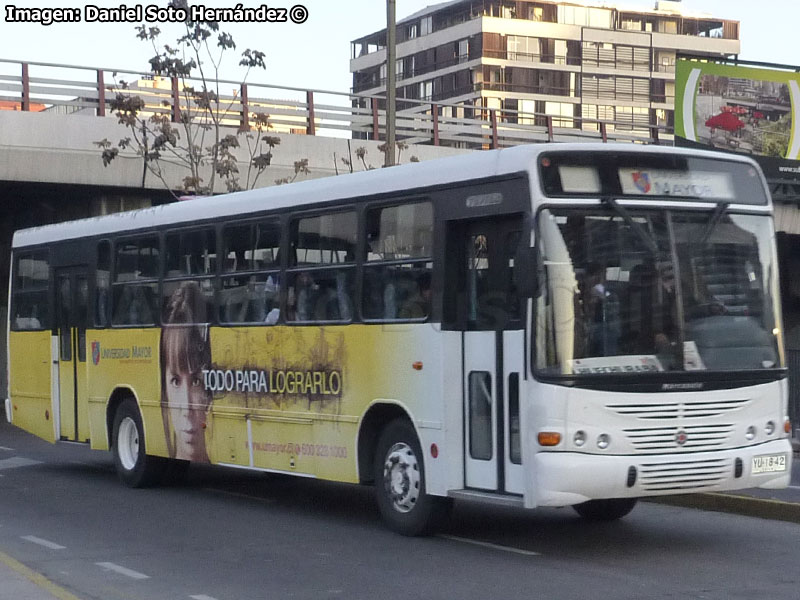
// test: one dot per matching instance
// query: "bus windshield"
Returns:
(633, 290)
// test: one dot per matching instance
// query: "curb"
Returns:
(31, 584)
(763, 508)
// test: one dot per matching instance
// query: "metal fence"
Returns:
(31, 86)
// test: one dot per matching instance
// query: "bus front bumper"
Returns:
(566, 478)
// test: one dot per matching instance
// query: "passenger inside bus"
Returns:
(418, 303)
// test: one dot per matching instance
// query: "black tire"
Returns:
(605, 510)
(400, 483)
(134, 467)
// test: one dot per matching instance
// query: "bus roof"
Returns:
(462, 168)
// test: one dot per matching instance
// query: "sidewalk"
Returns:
(18, 582)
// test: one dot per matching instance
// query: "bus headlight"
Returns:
(579, 439)
(769, 428)
(603, 441)
(750, 433)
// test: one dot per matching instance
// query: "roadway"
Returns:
(69, 530)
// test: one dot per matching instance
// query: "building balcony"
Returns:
(553, 59)
(519, 88)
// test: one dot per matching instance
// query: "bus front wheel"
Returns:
(134, 467)
(400, 483)
(605, 510)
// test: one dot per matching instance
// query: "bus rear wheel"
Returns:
(400, 483)
(134, 467)
(609, 509)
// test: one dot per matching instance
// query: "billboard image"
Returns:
(741, 109)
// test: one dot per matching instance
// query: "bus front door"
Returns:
(72, 303)
(493, 347)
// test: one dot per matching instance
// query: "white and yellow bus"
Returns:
(544, 325)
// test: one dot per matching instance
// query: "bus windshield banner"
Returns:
(656, 175)
(660, 182)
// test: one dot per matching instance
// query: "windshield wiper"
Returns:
(645, 235)
(713, 221)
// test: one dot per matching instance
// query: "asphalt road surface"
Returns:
(236, 535)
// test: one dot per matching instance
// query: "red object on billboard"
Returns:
(727, 121)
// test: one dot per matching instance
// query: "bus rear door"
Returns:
(72, 304)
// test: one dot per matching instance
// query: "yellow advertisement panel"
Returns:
(271, 397)
(30, 381)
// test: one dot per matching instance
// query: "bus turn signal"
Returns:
(549, 438)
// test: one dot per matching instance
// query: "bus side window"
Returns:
(102, 283)
(321, 284)
(134, 291)
(30, 305)
(251, 283)
(398, 268)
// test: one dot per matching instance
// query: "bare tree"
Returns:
(197, 141)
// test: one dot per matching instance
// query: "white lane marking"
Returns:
(490, 545)
(793, 487)
(122, 570)
(202, 597)
(45, 543)
(17, 461)
(6, 448)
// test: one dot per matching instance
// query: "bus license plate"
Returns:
(769, 463)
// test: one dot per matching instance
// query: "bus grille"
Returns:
(684, 475)
(679, 410)
(689, 438)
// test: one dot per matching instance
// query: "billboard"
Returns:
(741, 109)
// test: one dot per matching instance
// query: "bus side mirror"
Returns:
(525, 272)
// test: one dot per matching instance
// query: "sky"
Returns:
(315, 54)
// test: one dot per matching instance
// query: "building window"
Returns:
(631, 24)
(581, 15)
(411, 30)
(667, 26)
(563, 113)
(463, 50)
(425, 90)
(426, 25)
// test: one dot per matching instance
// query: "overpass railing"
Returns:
(75, 90)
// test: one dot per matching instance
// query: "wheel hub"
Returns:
(128, 443)
(401, 477)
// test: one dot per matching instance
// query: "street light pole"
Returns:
(391, 53)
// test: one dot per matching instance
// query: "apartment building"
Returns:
(573, 63)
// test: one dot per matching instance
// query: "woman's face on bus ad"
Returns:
(187, 403)
(186, 398)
